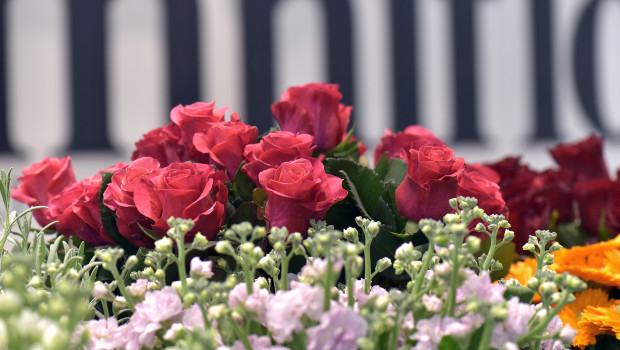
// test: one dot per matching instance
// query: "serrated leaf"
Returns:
(396, 172)
(390, 193)
(108, 220)
(381, 168)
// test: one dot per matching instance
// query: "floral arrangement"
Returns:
(216, 237)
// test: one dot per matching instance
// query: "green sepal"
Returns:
(524, 294)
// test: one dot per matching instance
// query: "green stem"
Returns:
(104, 306)
(487, 331)
(489, 259)
(284, 269)
(328, 283)
(350, 286)
(123, 289)
(451, 299)
(419, 278)
(249, 282)
(536, 329)
(241, 334)
(393, 341)
(367, 267)
(181, 264)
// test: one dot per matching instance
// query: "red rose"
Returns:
(163, 144)
(77, 210)
(184, 190)
(314, 109)
(472, 183)
(414, 137)
(298, 191)
(581, 161)
(224, 144)
(42, 181)
(197, 118)
(119, 197)
(612, 217)
(274, 149)
(430, 183)
(593, 198)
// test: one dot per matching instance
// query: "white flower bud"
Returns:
(163, 245)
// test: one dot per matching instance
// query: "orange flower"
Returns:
(523, 271)
(596, 262)
(599, 320)
(573, 314)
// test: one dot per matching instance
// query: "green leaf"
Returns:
(342, 214)
(384, 245)
(108, 219)
(524, 294)
(242, 186)
(346, 148)
(381, 168)
(505, 254)
(390, 193)
(248, 211)
(449, 343)
(396, 172)
(357, 177)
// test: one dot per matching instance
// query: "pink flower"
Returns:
(414, 136)
(339, 328)
(201, 268)
(163, 144)
(103, 334)
(314, 109)
(482, 288)
(286, 309)
(258, 301)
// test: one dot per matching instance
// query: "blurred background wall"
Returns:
(491, 77)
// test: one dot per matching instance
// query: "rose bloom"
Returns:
(431, 181)
(119, 196)
(183, 190)
(77, 210)
(274, 149)
(42, 181)
(224, 143)
(298, 191)
(314, 109)
(163, 144)
(581, 161)
(414, 136)
(472, 183)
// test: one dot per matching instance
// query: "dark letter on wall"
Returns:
(258, 56)
(584, 68)
(340, 48)
(404, 63)
(5, 147)
(544, 102)
(464, 70)
(88, 75)
(183, 52)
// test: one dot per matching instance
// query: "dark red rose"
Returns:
(592, 200)
(274, 149)
(119, 197)
(431, 181)
(612, 211)
(42, 181)
(197, 118)
(224, 144)
(314, 109)
(163, 144)
(184, 190)
(414, 137)
(581, 161)
(77, 210)
(298, 191)
(473, 183)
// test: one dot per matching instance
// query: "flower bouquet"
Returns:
(216, 237)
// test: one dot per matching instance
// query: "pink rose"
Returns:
(472, 183)
(224, 144)
(314, 109)
(183, 190)
(431, 181)
(77, 210)
(163, 144)
(197, 118)
(42, 181)
(414, 137)
(119, 197)
(274, 149)
(298, 191)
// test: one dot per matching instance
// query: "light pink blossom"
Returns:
(339, 328)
